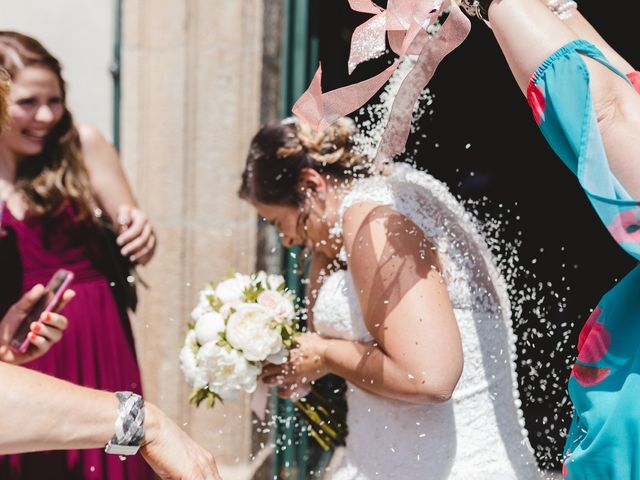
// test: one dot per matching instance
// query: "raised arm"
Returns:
(115, 196)
(583, 29)
(528, 33)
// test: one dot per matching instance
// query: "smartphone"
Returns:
(48, 302)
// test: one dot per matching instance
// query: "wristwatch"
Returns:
(129, 426)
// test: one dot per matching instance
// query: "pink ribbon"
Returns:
(404, 23)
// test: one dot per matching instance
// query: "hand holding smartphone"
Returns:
(50, 299)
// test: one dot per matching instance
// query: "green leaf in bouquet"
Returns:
(251, 293)
(215, 302)
(288, 333)
(199, 396)
(230, 274)
(260, 286)
(224, 343)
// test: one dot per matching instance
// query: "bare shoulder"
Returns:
(379, 230)
(94, 144)
(359, 217)
(90, 135)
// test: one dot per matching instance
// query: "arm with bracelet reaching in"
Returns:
(45, 413)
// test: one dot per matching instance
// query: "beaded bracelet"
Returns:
(563, 9)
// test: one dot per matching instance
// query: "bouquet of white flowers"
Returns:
(238, 324)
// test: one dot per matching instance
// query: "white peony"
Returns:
(249, 329)
(281, 305)
(232, 289)
(204, 305)
(275, 281)
(208, 327)
(228, 372)
(279, 358)
(227, 308)
(260, 277)
(195, 376)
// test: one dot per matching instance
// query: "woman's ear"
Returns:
(312, 181)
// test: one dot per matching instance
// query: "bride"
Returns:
(407, 306)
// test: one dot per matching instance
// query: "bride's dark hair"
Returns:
(278, 154)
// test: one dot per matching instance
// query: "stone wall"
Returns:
(191, 82)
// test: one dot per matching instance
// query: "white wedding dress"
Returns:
(477, 435)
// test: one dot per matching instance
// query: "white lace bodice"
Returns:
(479, 434)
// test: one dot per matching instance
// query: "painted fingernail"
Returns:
(36, 327)
(32, 337)
(45, 317)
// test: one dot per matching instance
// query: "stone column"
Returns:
(191, 102)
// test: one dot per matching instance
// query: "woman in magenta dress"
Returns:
(53, 173)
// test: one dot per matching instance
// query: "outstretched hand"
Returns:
(44, 332)
(172, 453)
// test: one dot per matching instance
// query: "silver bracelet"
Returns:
(129, 427)
(563, 9)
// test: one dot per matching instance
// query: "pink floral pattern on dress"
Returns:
(537, 102)
(635, 80)
(593, 343)
(625, 227)
(589, 376)
(565, 470)
(594, 340)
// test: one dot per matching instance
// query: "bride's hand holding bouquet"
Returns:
(306, 364)
(245, 328)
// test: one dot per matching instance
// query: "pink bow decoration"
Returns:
(404, 24)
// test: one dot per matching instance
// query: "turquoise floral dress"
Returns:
(604, 438)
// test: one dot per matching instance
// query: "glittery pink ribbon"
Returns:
(404, 24)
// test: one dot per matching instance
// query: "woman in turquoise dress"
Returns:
(583, 98)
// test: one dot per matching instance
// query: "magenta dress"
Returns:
(97, 349)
